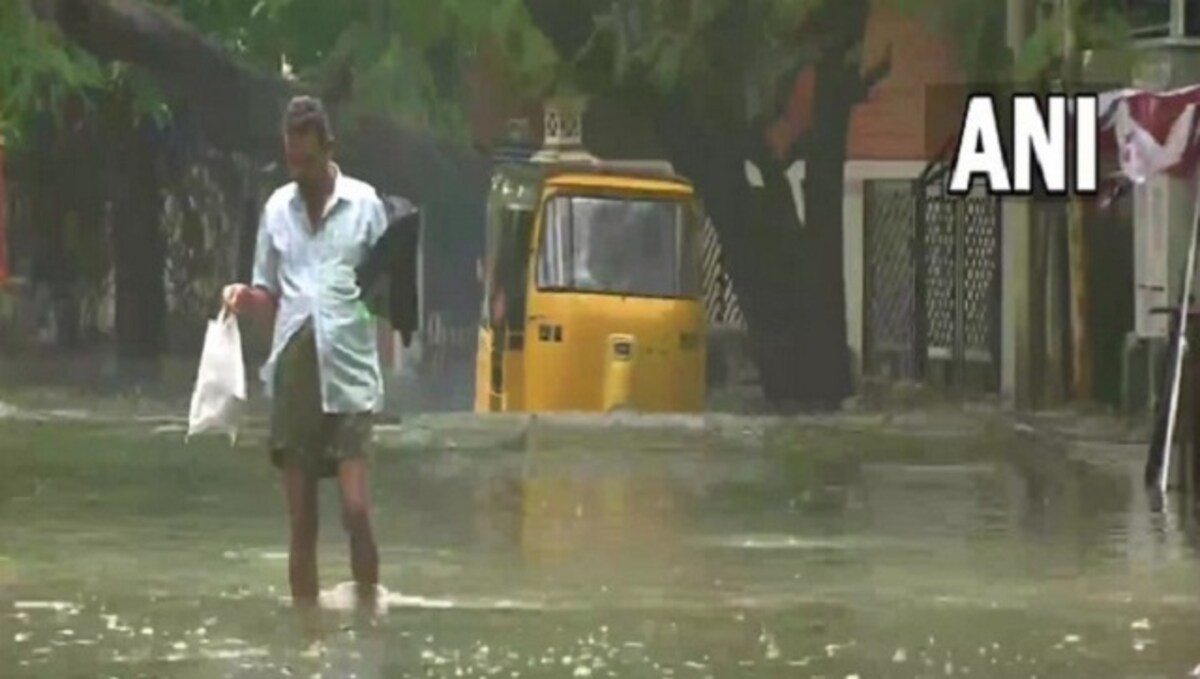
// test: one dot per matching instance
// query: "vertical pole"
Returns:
(959, 352)
(1192, 461)
(1158, 463)
(417, 348)
(421, 223)
(3, 220)
(920, 271)
(1019, 233)
(1057, 325)
(868, 363)
(996, 306)
(1081, 355)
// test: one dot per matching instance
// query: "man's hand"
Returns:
(236, 297)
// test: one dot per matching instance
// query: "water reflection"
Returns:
(140, 556)
(575, 517)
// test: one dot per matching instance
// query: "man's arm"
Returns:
(375, 262)
(377, 221)
(263, 295)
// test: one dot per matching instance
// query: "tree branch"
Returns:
(873, 76)
(238, 107)
(567, 25)
(857, 90)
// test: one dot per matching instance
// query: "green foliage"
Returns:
(1096, 29)
(409, 58)
(37, 70)
(711, 48)
(260, 31)
(148, 99)
(671, 41)
(977, 29)
(415, 64)
(971, 26)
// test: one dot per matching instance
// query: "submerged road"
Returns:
(632, 549)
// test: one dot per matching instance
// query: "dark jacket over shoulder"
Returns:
(388, 275)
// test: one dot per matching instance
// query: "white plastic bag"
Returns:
(221, 380)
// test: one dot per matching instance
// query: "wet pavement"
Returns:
(125, 552)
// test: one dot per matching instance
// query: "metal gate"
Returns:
(889, 282)
(931, 283)
(720, 300)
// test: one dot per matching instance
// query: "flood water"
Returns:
(126, 553)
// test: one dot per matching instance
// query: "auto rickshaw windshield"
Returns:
(619, 245)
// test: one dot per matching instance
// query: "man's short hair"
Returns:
(306, 114)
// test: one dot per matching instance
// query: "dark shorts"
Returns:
(302, 433)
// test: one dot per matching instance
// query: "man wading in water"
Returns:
(323, 374)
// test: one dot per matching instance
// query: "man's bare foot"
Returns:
(308, 617)
(350, 596)
(366, 594)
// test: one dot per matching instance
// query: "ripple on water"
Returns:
(767, 541)
(55, 606)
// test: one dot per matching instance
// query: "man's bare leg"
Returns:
(300, 488)
(356, 517)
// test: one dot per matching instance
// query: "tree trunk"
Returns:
(710, 140)
(54, 185)
(138, 250)
(789, 277)
(826, 359)
(759, 236)
(757, 226)
(779, 332)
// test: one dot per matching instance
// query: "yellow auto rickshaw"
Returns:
(592, 289)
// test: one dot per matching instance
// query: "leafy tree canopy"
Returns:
(407, 58)
(691, 43)
(37, 69)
